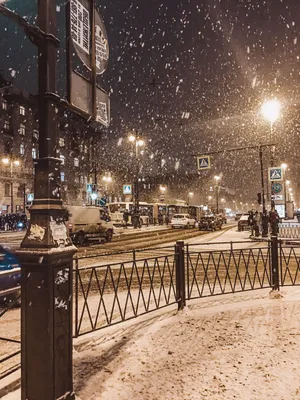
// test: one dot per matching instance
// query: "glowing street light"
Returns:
(191, 194)
(162, 189)
(284, 166)
(270, 110)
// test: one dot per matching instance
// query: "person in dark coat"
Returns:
(126, 217)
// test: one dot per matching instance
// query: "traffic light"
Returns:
(259, 198)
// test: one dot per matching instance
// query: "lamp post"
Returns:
(271, 112)
(217, 179)
(284, 167)
(138, 142)
(8, 161)
(46, 254)
(107, 179)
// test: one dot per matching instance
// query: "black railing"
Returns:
(108, 294)
(138, 282)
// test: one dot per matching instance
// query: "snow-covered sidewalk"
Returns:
(243, 346)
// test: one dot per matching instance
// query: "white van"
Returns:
(88, 223)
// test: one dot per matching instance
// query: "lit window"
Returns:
(35, 134)
(85, 179)
(61, 142)
(6, 125)
(62, 176)
(22, 130)
(22, 110)
(76, 162)
(85, 149)
(62, 159)
(4, 105)
(81, 148)
(22, 149)
(34, 154)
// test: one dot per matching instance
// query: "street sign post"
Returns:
(203, 162)
(275, 174)
(127, 189)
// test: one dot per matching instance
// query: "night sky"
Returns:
(190, 76)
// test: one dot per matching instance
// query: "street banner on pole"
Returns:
(275, 174)
(203, 162)
(87, 36)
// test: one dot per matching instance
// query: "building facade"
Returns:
(77, 148)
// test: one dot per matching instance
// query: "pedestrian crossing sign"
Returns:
(275, 174)
(127, 189)
(203, 162)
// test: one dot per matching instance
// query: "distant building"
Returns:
(19, 133)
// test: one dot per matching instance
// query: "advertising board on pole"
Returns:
(87, 36)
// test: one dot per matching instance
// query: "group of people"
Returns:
(260, 222)
(12, 222)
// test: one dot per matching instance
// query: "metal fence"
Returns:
(139, 282)
(289, 230)
(112, 293)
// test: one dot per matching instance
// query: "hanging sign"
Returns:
(101, 43)
(80, 23)
(203, 162)
(93, 50)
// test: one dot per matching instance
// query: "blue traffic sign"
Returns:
(102, 201)
(89, 187)
(30, 197)
(127, 189)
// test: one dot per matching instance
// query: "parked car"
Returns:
(88, 223)
(238, 216)
(182, 221)
(10, 276)
(210, 223)
(243, 223)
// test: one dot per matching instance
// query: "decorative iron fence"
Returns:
(289, 230)
(136, 283)
(218, 272)
(108, 294)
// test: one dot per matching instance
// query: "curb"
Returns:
(10, 383)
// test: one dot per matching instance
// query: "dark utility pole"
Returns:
(217, 196)
(262, 179)
(46, 252)
(136, 206)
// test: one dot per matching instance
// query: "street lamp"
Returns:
(271, 112)
(8, 161)
(190, 195)
(138, 142)
(217, 179)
